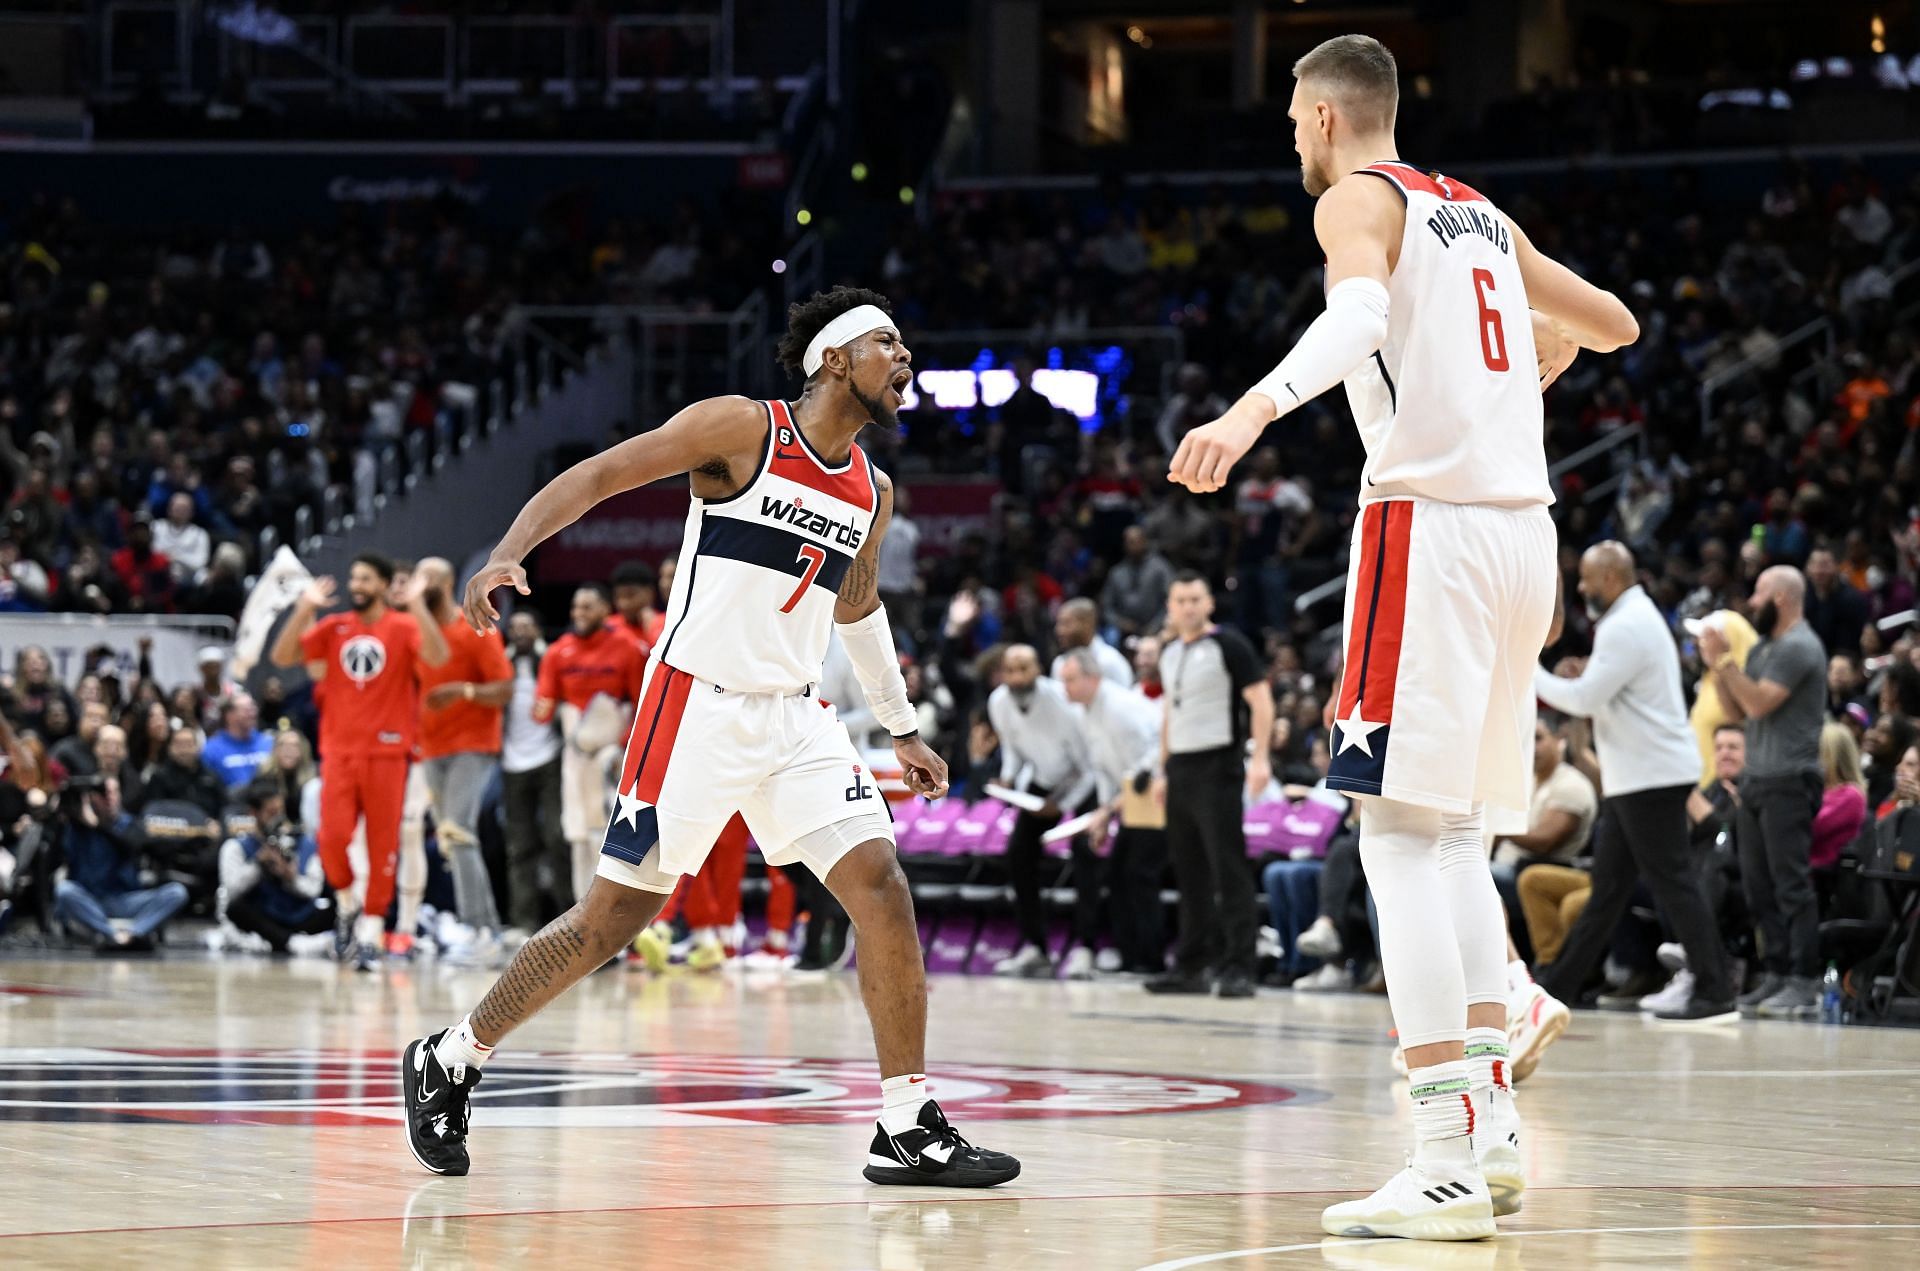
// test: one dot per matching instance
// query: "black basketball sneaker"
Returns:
(932, 1154)
(436, 1106)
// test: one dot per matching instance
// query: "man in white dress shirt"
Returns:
(1630, 688)
(1042, 753)
(1077, 626)
(1123, 745)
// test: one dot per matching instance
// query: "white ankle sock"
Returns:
(1442, 1103)
(370, 929)
(1518, 977)
(458, 1045)
(902, 1098)
(1487, 1073)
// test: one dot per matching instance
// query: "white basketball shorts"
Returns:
(1448, 605)
(699, 753)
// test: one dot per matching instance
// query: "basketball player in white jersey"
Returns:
(781, 549)
(1444, 323)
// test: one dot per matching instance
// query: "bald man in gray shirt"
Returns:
(1782, 694)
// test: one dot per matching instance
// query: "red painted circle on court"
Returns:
(566, 1090)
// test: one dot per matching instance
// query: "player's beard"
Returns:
(877, 408)
(1313, 178)
(360, 600)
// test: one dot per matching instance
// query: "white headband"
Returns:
(850, 325)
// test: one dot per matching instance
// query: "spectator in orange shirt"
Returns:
(370, 662)
(460, 725)
(636, 604)
(590, 663)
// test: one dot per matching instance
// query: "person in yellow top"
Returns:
(1708, 714)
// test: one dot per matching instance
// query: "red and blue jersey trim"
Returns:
(792, 456)
(1407, 179)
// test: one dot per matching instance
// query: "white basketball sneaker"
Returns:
(1535, 1020)
(1424, 1201)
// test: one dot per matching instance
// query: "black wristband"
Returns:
(912, 736)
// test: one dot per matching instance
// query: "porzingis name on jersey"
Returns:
(839, 533)
(1449, 222)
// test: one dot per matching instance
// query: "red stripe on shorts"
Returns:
(643, 723)
(1379, 612)
(1362, 606)
(660, 749)
(1390, 615)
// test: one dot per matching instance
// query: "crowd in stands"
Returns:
(1808, 464)
(167, 398)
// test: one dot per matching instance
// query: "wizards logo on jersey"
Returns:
(1363, 719)
(363, 658)
(635, 826)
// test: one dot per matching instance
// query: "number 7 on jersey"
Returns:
(814, 558)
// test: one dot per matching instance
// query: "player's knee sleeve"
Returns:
(1479, 923)
(1418, 950)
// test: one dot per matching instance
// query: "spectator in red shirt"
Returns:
(369, 662)
(590, 663)
(636, 603)
(146, 575)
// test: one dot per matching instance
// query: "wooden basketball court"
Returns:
(244, 1114)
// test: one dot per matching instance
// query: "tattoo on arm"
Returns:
(546, 965)
(858, 585)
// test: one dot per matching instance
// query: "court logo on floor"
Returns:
(345, 1088)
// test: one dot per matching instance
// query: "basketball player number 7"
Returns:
(814, 558)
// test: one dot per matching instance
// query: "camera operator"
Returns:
(273, 879)
(103, 871)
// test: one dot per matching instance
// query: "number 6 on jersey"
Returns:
(1493, 339)
(815, 558)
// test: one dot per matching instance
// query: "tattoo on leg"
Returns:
(545, 966)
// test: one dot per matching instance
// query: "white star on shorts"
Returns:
(630, 806)
(1354, 731)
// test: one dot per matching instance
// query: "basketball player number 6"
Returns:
(814, 558)
(1493, 339)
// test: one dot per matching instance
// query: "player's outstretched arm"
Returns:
(286, 646)
(1592, 317)
(1358, 223)
(704, 437)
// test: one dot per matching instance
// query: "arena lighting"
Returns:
(906, 194)
(803, 216)
(1076, 392)
(779, 266)
(950, 390)
(859, 171)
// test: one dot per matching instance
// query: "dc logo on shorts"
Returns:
(859, 790)
(363, 658)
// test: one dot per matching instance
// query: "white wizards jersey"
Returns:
(752, 602)
(1449, 408)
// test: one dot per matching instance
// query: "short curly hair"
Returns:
(805, 319)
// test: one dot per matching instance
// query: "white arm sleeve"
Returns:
(869, 645)
(1332, 348)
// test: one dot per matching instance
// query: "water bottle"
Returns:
(1830, 995)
